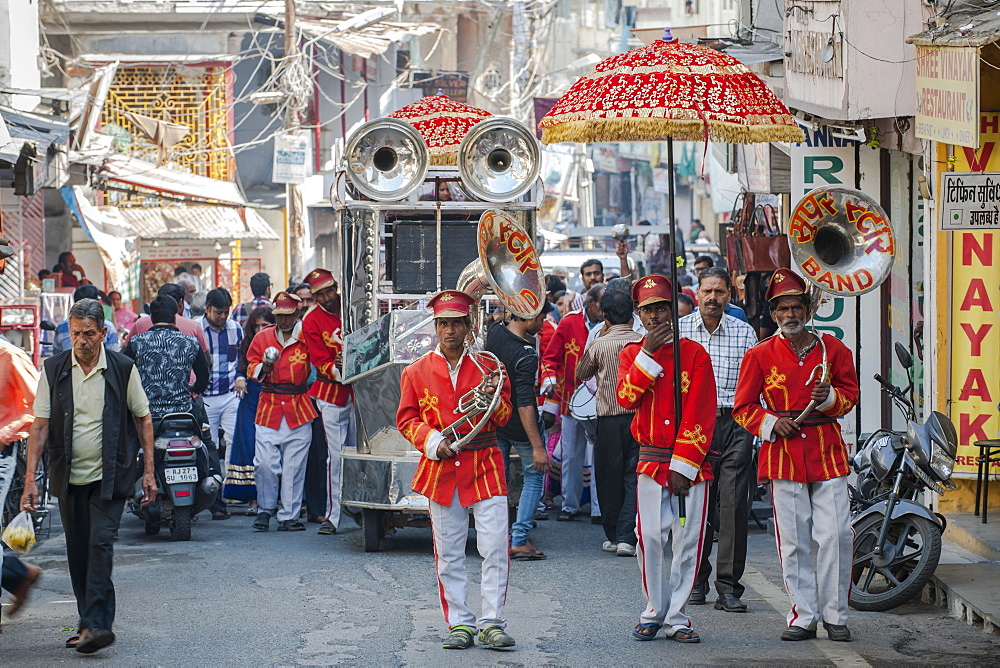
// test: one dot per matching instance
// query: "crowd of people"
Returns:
(263, 377)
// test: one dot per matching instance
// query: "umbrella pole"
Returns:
(673, 281)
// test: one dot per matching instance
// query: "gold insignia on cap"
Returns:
(446, 297)
(650, 283)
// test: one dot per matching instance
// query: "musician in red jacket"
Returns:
(321, 332)
(559, 360)
(807, 462)
(672, 459)
(455, 482)
(284, 414)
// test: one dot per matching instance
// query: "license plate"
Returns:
(181, 474)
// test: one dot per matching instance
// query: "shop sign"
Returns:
(975, 300)
(947, 81)
(970, 201)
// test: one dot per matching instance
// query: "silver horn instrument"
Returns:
(842, 242)
(508, 265)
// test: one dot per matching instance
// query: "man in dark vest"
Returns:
(92, 414)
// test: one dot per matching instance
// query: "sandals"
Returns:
(92, 640)
(566, 516)
(686, 635)
(291, 525)
(71, 642)
(646, 631)
(252, 509)
(263, 521)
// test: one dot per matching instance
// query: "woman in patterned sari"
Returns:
(239, 475)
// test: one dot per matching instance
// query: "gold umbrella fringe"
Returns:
(445, 159)
(654, 129)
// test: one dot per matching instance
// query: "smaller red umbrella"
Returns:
(442, 123)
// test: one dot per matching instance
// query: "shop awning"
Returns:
(208, 223)
(961, 29)
(21, 126)
(365, 34)
(131, 171)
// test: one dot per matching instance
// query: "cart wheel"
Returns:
(371, 523)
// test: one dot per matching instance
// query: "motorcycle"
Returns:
(181, 468)
(897, 539)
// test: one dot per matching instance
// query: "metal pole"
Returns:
(294, 202)
(673, 282)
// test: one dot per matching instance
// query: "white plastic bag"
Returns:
(19, 535)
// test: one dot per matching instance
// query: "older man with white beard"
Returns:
(805, 461)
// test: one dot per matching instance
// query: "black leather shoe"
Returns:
(698, 595)
(837, 633)
(798, 633)
(730, 603)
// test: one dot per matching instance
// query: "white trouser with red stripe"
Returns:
(280, 455)
(338, 423)
(667, 593)
(450, 525)
(821, 512)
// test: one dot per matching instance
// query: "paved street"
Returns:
(233, 597)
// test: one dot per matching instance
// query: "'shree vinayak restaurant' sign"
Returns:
(948, 95)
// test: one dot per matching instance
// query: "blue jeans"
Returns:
(531, 491)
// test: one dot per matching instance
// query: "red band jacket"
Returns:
(321, 334)
(283, 390)
(427, 404)
(561, 355)
(774, 383)
(646, 386)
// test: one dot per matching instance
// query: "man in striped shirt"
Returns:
(727, 339)
(224, 337)
(260, 286)
(616, 452)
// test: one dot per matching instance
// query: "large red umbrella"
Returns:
(442, 122)
(669, 90)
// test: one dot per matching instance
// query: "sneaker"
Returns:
(609, 546)
(494, 637)
(625, 550)
(461, 637)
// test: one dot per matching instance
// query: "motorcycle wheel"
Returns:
(371, 524)
(180, 525)
(912, 551)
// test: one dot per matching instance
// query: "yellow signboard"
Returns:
(975, 302)
(948, 95)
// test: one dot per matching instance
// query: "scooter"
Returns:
(897, 539)
(185, 485)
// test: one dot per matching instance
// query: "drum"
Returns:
(583, 404)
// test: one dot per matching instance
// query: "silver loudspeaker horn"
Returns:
(498, 159)
(386, 159)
